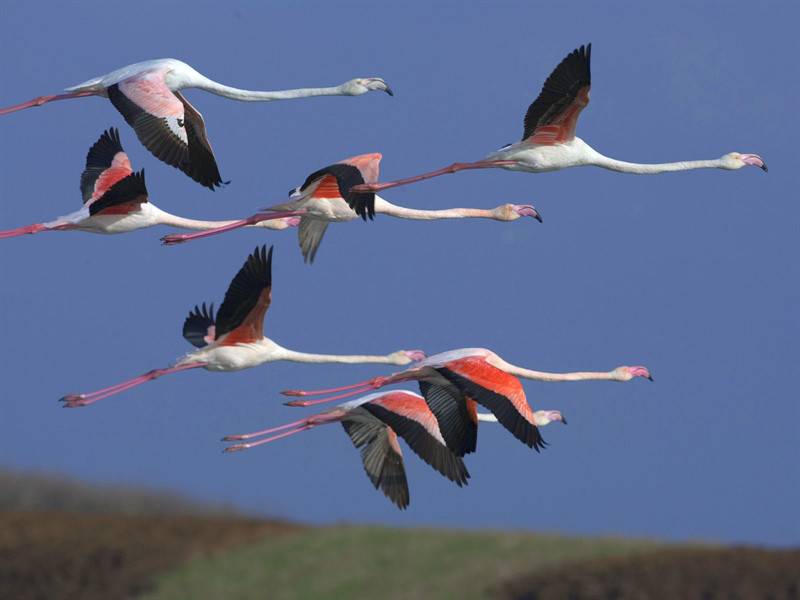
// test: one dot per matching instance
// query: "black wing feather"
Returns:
(382, 464)
(155, 135)
(195, 327)
(423, 444)
(560, 89)
(450, 410)
(347, 177)
(500, 406)
(244, 291)
(98, 159)
(128, 189)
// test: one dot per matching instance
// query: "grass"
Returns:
(367, 562)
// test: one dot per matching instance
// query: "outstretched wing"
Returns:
(409, 416)
(198, 328)
(380, 454)
(498, 391)
(106, 164)
(449, 406)
(552, 117)
(167, 125)
(125, 196)
(241, 317)
(336, 181)
(310, 235)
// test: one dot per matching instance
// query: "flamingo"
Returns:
(549, 142)
(325, 197)
(452, 382)
(148, 96)
(234, 340)
(373, 423)
(116, 201)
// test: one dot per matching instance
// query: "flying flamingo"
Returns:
(326, 197)
(115, 199)
(549, 142)
(373, 424)
(235, 339)
(148, 96)
(453, 381)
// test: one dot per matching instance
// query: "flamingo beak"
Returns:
(389, 91)
(563, 419)
(755, 160)
(529, 211)
(650, 377)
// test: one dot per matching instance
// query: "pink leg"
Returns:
(247, 436)
(454, 168)
(237, 447)
(44, 100)
(178, 238)
(76, 400)
(35, 228)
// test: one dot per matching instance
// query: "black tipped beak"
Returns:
(538, 217)
(650, 377)
(764, 167)
(563, 419)
(389, 91)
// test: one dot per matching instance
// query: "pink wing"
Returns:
(167, 125)
(106, 164)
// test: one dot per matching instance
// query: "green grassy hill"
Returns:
(62, 539)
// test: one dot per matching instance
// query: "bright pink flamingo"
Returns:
(116, 200)
(451, 380)
(148, 96)
(373, 423)
(235, 339)
(549, 142)
(326, 197)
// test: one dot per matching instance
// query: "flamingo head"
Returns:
(626, 373)
(404, 357)
(545, 417)
(362, 85)
(737, 160)
(512, 212)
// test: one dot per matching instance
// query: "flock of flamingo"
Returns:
(441, 424)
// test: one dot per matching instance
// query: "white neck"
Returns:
(204, 83)
(621, 166)
(383, 206)
(305, 357)
(164, 218)
(545, 376)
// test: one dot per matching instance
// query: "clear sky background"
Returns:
(693, 274)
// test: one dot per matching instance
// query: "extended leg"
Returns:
(178, 238)
(454, 168)
(44, 100)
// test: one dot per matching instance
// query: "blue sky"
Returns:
(693, 274)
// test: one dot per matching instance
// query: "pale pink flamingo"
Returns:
(116, 200)
(326, 197)
(373, 423)
(235, 340)
(549, 142)
(452, 381)
(149, 98)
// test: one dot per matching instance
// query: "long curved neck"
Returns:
(385, 207)
(621, 166)
(166, 218)
(204, 83)
(545, 376)
(352, 359)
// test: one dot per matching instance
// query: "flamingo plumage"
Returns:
(452, 382)
(234, 339)
(549, 142)
(116, 199)
(326, 197)
(373, 424)
(148, 95)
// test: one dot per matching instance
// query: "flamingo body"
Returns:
(234, 339)
(148, 95)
